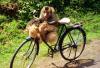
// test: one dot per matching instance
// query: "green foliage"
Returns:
(25, 13)
(31, 8)
(21, 24)
(28, 10)
(12, 33)
(2, 18)
(4, 1)
(92, 23)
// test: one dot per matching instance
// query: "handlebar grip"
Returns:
(52, 22)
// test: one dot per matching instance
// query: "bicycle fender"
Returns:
(75, 26)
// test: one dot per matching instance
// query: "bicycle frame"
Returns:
(62, 28)
(64, 32)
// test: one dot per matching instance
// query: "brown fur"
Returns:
(50, 10)
(44, 30)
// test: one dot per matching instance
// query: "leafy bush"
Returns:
(21, 24)
(2, 18)
(26, 11)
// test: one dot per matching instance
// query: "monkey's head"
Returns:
(47, 12)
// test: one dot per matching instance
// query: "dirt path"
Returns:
(90, 58)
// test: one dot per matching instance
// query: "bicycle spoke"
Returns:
(28, 49)
(69, 52)
(76, 39)
(73, 42)
(25, 55)
(75, 52)
(65, 46)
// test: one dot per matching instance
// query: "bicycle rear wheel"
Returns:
(72, 43)
(25, 55)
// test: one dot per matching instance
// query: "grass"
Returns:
(11, 36)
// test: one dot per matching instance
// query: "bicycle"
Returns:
(71, 43)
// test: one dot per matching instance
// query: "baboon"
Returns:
(41, 28)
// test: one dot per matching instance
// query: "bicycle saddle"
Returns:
(64, 21)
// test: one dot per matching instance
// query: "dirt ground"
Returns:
(90, 58)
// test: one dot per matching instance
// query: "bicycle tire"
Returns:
(70, 45)
(28, 55)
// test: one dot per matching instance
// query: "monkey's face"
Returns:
(47, 13)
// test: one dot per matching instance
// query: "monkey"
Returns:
(44, 30)
(46, 12)
(48, 32)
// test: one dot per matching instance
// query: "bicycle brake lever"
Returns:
(52, 22)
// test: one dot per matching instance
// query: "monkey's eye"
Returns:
(44, 11)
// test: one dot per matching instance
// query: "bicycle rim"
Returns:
(72, 43)
(24, 55)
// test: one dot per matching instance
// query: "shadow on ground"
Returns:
(80, 63)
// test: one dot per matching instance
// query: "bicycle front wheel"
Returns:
(24, 55)
(72, 43)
